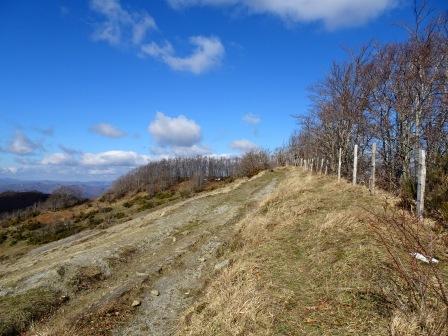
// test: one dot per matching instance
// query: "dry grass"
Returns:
(17, 311)
(306, 264)
(420, 290)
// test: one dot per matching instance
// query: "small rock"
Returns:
(117, 313)
(222, 264)
(174, 239)
(202, 259)
(136, 303)
(187, 293)
(141, 274)
(155, 292)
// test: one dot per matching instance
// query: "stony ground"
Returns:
(137, 277)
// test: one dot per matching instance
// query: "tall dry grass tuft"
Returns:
(418, 289)
(302, 264)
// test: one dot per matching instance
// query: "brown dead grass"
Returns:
(306, 264)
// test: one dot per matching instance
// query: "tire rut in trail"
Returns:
(172, 253)
(178, 288)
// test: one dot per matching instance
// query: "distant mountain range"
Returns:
(89, 189)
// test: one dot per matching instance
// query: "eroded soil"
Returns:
(160, 259)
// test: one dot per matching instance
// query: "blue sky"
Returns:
(92, 88)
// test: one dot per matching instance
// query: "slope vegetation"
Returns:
(159, 259)
(282, 253)
(310, 261)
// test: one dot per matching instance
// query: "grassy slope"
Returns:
(18, 236)
(306, 264)
(17, 311)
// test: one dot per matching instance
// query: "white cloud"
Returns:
(75, 165)
(251, 119)
(20, 144)
(120, 25)
(102, 172)
(333, 13)
(107, 130)
(174, 151)
(176, 132)
(124, 27)
(140, 28)
(191, 151)
(9, 170)
(60, 159)
(243, 145)
(207, 54)
(114, 158)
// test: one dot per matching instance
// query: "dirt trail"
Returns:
(161, 258)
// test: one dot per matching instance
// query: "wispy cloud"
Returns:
(122, 27)
(12, 170)
(251, 119)
(61, 159)
(20, 144)
(175, 151)
(107, 130)
(333, 13)
(207, 54)
(114, 158)
(243, 145)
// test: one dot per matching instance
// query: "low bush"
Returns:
(418, 289)
(254, 162)
(119, 215)
(3, 237)
(17, 311)
(52, 232)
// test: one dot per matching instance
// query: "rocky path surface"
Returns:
(136, 278)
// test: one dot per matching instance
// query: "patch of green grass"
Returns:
(52, 232)
(127, 204)
(17, 311)
(120, 215)
(164, 194)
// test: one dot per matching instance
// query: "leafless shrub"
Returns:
(63, 197)
(254, 162)
(418, 288)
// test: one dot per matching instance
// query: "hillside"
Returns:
(11, 201)
(282, 253)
